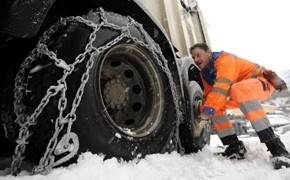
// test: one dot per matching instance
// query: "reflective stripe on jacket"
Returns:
(226, 69)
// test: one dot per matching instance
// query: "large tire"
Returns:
(8, 128)
(193, 95)
(127, 108)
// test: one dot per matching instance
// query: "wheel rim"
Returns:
(131, 90)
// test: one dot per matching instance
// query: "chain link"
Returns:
(47, 162)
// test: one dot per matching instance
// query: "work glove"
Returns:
(202, 120)
(275, 80)
(205, 116)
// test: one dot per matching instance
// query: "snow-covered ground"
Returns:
(202, 165)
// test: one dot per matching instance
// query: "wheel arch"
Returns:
(17, 25)
(26, 19)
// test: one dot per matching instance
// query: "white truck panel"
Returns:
(184, 28)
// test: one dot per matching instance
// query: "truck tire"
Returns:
(186, 129)
(193, 94)
(127, 108)
(9, 128)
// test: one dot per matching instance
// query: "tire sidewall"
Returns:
(98, 135)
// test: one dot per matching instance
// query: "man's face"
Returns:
(201, 58)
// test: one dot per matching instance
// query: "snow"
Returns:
(278, 120)
(201, 165)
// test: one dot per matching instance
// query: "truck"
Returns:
(98, 76)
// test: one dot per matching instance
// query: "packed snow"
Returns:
(201, 165)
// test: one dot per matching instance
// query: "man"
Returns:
(233, 82)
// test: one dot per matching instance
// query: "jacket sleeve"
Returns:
(227, 73)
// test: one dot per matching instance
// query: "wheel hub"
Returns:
(197, 104)
(132, 90)
(116, 94)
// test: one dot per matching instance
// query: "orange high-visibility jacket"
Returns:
(226, 69)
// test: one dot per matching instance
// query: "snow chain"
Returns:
(70, 140)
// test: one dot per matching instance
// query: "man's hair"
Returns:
(199, 45)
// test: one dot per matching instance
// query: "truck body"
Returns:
(100, 76)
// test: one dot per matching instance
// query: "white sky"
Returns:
(257, 30)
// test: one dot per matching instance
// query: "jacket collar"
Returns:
(209, 75)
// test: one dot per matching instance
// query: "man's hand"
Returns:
(204, 116)
(200, 122)
(278, 83)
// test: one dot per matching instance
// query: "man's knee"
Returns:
(237, 89)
